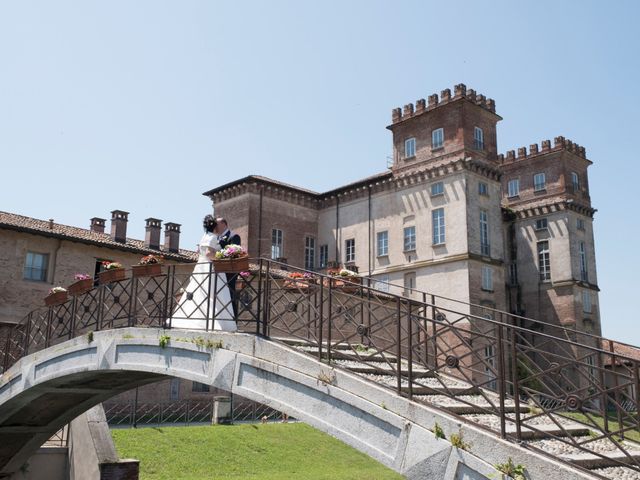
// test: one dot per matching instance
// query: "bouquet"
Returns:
(57, 290)
(300, 276)
(343, 273)
(231, 251)
(81, 276)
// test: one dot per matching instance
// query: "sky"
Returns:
(143, 106)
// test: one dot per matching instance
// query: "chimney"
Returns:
(97, 225)
(51, 224)
(152, 235)
(172, 237)
(119, 221)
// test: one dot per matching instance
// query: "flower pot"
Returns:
(231, 265)
(150, 270)
(112, 275)
(346, 284)
(57, 298)
(80, 287)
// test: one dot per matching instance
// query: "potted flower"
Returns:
(113, 272)
(57, 296)
(83, 283)
(296, 280)
(346, 280)
(148, 266)
(231, 259)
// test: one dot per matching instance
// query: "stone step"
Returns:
(609, 454)
(383, 369)
(474, 404)
(300, 342)
(532, 428)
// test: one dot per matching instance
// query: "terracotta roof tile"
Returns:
(13, 221)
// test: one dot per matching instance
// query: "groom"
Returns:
(227, 237)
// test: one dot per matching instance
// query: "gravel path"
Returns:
(619, 473)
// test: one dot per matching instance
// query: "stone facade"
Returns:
(445, 157)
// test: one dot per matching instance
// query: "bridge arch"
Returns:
(46, 390)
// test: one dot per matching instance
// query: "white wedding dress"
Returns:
(196, 305)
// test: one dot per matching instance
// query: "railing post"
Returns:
(47, 341)
(215, 289)
(516, 382)
(330, 320)
(398, 347)
(259, 306)
(168, 302)
(435, 332)
(100, 316)
(267, 301)
(5, 363)
(616, 389)
(603, 400)
(425, 329)
(27, 334)
(410, 352)
(133, 296)
(321, 319)
(636, 386)
(501, 380)
(72, 322)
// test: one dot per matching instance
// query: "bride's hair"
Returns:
(209, 223)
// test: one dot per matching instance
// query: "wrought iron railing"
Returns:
(184, 412)
(496, 365)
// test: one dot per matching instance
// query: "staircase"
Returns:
(470, 404)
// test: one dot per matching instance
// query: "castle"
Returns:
(450, 216)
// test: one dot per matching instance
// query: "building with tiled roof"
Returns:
(36, 255)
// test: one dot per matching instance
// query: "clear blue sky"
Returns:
(144, 105)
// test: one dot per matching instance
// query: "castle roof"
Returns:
(20, 223)
(287, 186)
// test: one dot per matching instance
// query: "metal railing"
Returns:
(184, 412)
(497, 366)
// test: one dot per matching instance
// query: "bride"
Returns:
(200, 307)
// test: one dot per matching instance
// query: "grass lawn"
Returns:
(599, 420)
(265, 452)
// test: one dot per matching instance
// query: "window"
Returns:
(276, 244)
(483, 189)
(437, 217)
(383, 243)
(586, 301)
(541, 224)
(513, 274)
(350, 250)
(410, 148)
(580, 224)
(583, 263)
(513, 188)
(575, 182)
(324, 256)
(309, 253)
(544, 262)
(478, 138)
(382, 283)
(487, 278)
(200, 387)
(437, 138)
(409, 283)
(409, 239)
(485, 249)
(36, 266)
(539, 182)
(437, 189)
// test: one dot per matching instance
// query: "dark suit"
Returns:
(231, 238)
